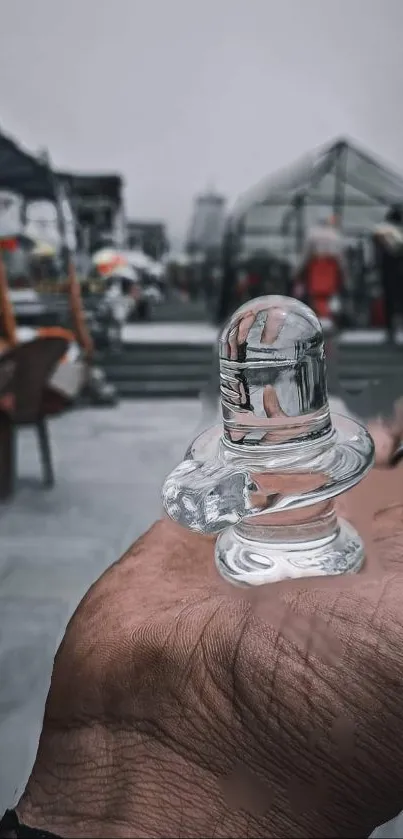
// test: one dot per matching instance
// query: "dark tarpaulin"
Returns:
(82, 187)
(33, 179)
(24, 174)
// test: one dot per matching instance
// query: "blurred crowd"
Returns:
(351, 286)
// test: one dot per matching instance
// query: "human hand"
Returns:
(181, 706)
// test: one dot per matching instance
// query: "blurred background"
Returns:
(160, 164)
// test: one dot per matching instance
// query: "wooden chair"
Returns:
(22, 403)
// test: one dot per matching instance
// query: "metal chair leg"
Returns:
(8, 434)
(45, 453)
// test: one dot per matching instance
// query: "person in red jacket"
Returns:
(322, 272)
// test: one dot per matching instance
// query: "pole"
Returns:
(340, 182)
(8, 320)
(81, 330)
(229, 252)
(59, 196)
(300, 222)
(23, 214)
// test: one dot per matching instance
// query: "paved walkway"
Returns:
(55, 543)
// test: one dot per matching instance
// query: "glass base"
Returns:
(251, 562)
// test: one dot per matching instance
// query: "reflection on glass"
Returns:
(272, 367)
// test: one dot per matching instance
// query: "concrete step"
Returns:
(371, 354)
(172, 370)
(129, 350)
(162, 363)
(177, 362)
(178, 312)
(138, 388)
(142, 354)
(379, 371)
(168, 311)
(171, 389)
(185, 359)
(157, 372)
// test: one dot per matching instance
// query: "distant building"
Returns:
(148, 236)
(207, 224)
(98, 206)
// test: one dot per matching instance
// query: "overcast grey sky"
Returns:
(177, 94)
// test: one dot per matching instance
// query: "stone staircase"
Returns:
(179, 368)
(168, 311)
(171, 369)
(171, 356)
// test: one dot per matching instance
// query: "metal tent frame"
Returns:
(273, 217)
(33, 179)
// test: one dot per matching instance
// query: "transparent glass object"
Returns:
(265, 480)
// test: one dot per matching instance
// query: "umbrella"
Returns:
(183, 260)
(139, 260)
(107, 260)
(157, 270)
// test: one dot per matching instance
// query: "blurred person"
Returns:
(252, 284)
(181, 706)
(322, 273)
(388, 244)
(262, 276)
(206, 285)
(124, 297)
(216, 278)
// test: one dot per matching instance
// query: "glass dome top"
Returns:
(272, 374)
(272, 327)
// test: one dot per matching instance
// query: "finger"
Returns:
(271, 404)
(374, 507)
(273, 325)
(244, 327)
(396, 423)
(278, 484)
(249, 419)
(273, 410)
(274, 321)
(398, 413)
(232, 344)
(384, 440)
(271, 407)
(239, 334)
